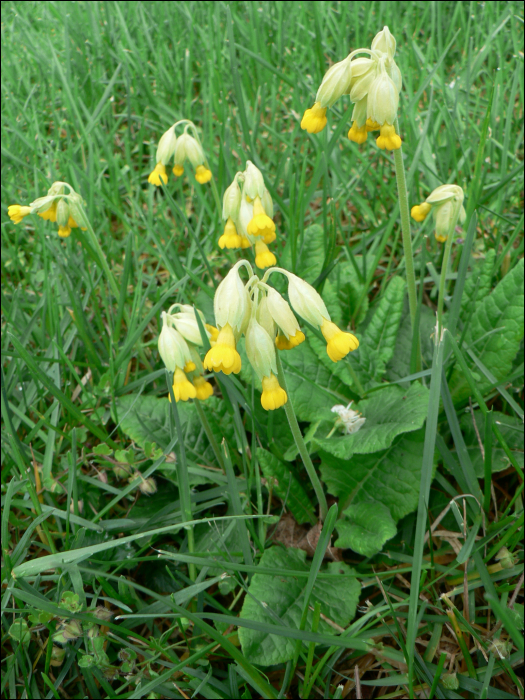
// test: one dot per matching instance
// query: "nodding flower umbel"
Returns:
(247, 209)
(373, 83)
(180, 148)
(178, 345)
(446, 205)
(259, 312)
(62, 205)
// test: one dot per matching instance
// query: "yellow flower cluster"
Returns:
(265, 318)
(247, 209)
(182, 148)
(446, 205)
(65, 209)
(178, 342)
(373, 83)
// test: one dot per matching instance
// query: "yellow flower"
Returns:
(230, 238)
(245, 242)
(358, 134)
(261, 224)
(273, 396)
(158, 176)
(223, 357)
(202, 174)
(420, 211)
(371, 125)
(178, 170)
(183, 389)
(339, 343)
(388, 138)
(263, 257)
(64, 231)
(189, 366)
(284, 343)
(51, 213)
(214, 332)
(314, 119)
(203, 388)
(17, 213)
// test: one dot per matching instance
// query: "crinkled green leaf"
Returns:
(495, 332)
(344, 283)
(388, 412)
(512, 430)
(478, 285)
(284, 596)
(365, 527)
(399, 365)
(310, 254)
(286, 486)
(147, 419)
(312, 387)
(389, 478)
(376, 345)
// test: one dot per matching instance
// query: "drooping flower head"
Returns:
(248, 212)
(62, 205)
(182, 148)
(446, 205)
(373, 83)
(178, 345)
(258, 311)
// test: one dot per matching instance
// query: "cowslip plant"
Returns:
(259, 312)
(446, 205)
(373, 83)
(180, 148)
(248, 211)
(61, 205)
(178, 342)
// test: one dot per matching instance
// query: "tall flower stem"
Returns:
(444, 266)
(404, 212)
(297, 436)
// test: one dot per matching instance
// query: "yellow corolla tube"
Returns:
(273, 395)
(338, 343)
(223, 356)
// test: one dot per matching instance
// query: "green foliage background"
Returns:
(88, 88)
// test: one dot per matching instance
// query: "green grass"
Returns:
(88, 89)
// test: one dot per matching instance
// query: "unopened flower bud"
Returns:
(166, 147)
(253, 181)
(384, 42)
(231, 301)
(336, 82)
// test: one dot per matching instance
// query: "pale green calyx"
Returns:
(336, 82)
(265, 318)
(444, 193)
(383, 99)
(62, 212)
(231, 300)
(282, 314)
(260, 349)
(166, 147)
(187, 325)
(231, 201)
(306, 301)
(253, 181)
(173, 349)
(384, 42)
